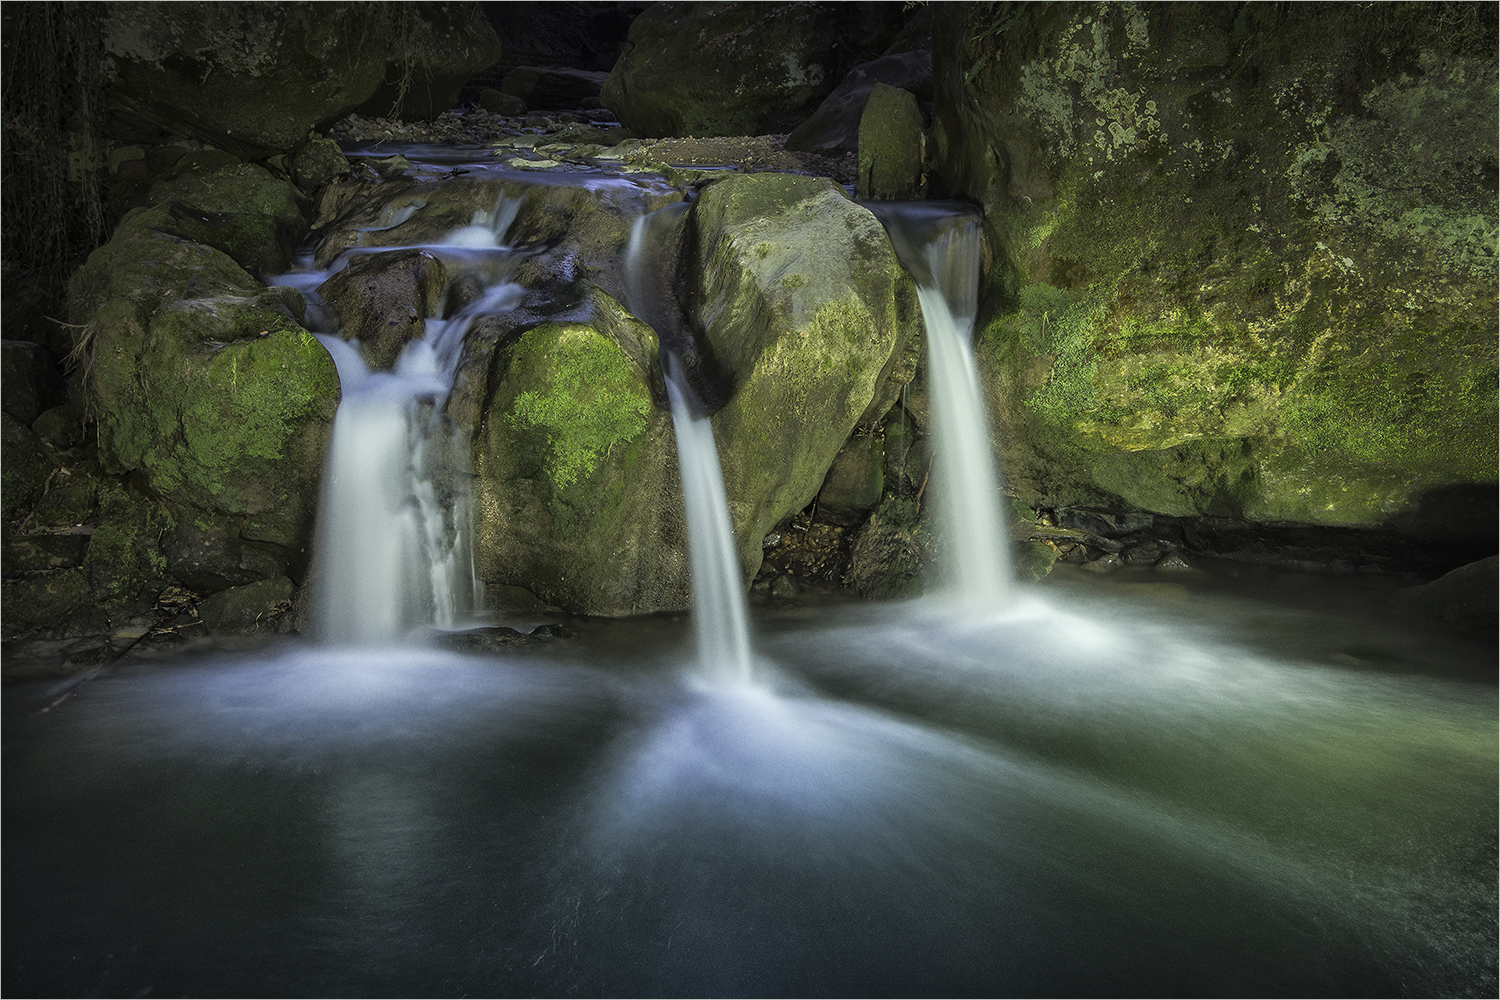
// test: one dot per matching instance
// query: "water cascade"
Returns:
(939, 246)
(719, 614)
(394, 545)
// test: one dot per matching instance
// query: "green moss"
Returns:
(1053, 322)
(582, 397)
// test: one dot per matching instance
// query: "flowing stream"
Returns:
(1248, 783)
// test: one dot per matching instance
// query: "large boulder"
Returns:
(706, 69)
(205, 387)
(253, 78)
(1223, 278)
(576, 496)
(805, 314)
(432, 50)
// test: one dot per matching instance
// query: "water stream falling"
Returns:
(394, 550)
(719, 612)
(939, 245)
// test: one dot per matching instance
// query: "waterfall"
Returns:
(719, 612)
(939, 246)
(394, 549)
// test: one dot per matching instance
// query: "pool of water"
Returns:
(1265, 785)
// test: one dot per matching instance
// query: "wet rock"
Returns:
(854, 483)
(499, 637)
(890, 553)
(203, 383)
(723, 68)
(890, 145)
(1136, 171)
(501, 103)
(317, 163)
(1175, 562)
(1468, 597)
(577, 494)
(1033, 560)
(834, 128)
(30, 553)
(249, 609)
(383, 300)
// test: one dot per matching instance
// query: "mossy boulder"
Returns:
(204, 385)
(708, 69)
(577, 495)
(833, 129)
(805, 313)
(1225, 277)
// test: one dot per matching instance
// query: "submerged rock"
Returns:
(1215, 290)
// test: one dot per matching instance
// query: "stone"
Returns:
(890, 553)
(890, 145)
(577, 494)
(25, 469)
(1468, 597)
(802, 305)
(247, 77)
(1214, 292)
(317, 163)
(854, 482)
(548, 88)
(1033, 560)
(204, 384)
(433, 49)
(383, 301)
(500, 103)
(1175, 562)
(29, 381)
(248, 609)
(833, 129)
(709, 69)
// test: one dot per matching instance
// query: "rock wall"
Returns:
(1242, 258)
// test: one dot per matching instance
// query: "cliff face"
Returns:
(1241, 258)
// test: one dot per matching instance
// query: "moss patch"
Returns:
(582, 397)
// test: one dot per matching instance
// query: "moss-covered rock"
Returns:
(204, 384)
(25, 467)
(247, 609)
(804, 311)
(1225, 278)
(723, 68)
(890, 553)
(577, 494)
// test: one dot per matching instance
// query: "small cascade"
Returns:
(720, 619)
(395, 538)
(939, 246)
